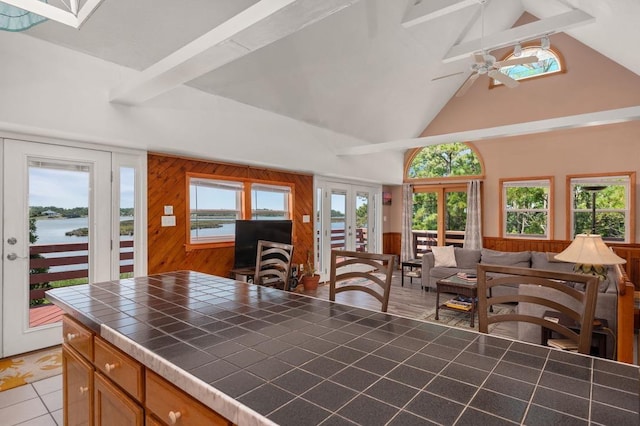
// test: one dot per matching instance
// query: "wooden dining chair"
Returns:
(553, 291)
(357, 271)
(273, 264)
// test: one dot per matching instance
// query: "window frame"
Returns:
(601, 179)
(527, 182)
(440, 179)
(245, 205)
(552, 49)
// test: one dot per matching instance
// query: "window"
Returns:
(215, 203)
(444, 160)
(614, 195)
(526, 208)
(270, 202)
(439, 215)
(549, 63)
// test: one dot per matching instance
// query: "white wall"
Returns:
(51, 91)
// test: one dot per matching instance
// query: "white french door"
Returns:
(347, 218)
(60, 216)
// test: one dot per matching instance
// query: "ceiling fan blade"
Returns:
(448, 75)
(503, 78)
(517, 61)
(467, 84)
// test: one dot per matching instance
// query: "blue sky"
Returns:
(69, 189)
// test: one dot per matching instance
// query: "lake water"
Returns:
(53, 230)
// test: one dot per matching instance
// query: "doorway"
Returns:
(62, 216)
(348, 217)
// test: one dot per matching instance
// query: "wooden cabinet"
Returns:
(119, 368)
(103, 386)
(77, 377)
(112, 407)
(174, 407)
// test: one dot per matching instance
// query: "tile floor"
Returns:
(34, 404)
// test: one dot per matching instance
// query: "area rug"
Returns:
(461, 319)
(30, 367)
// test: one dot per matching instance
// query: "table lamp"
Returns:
(590, 254)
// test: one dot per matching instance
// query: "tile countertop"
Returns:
(258, 355)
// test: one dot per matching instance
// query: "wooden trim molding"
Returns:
(551, 215)
(632, 200)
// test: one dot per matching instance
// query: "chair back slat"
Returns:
(358, 270)
(273, 264)
(556, 283)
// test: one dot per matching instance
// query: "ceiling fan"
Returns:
(487, 64)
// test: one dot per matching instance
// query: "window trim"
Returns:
(631, 207)
(440, 190)
(550, 212)
(245, 205)
(410, 156)
(555, 51)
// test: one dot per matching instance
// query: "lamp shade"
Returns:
(589, 249)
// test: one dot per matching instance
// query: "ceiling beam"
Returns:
(547, 26)
(73, 18)
(427, 10)
(257, 26)
(600, 118)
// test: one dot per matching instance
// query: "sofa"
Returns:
(466, 260)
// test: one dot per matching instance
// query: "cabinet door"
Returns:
(77, 388)
(112, 407)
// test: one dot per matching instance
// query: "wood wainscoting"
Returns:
(629, 277)
(391, 243)
(167, 185)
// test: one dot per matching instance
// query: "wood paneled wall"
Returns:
(391, 243)
(167, 185)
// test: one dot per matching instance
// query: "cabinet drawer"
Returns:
(78, 337)
(174, 407)
(120, 368)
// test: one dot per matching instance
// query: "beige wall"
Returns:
(392, 215)
(592, 83)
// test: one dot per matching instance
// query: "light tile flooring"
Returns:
(34, 404)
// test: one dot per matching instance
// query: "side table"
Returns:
(461, 287)
(415, 270)
(599, 333)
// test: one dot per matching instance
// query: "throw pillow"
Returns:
(444, 256)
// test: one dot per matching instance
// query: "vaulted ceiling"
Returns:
(364, 68)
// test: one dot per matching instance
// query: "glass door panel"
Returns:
(362, 222)
(455, 217)
(338, 218)
(126, 214)
(425, 221)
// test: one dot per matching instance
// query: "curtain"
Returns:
(407, 223)
(473, 230)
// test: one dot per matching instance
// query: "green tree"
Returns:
(450, 159)
(33, 237)
(362, 216)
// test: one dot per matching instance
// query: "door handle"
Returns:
(13, 256)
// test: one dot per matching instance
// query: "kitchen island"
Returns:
(257, 355)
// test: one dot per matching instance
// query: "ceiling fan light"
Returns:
(545, 43)
(517, 50)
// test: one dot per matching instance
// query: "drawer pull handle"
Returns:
(174, 416)
(110, 367)
(71, 336)
(83, 390)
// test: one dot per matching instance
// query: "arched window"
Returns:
(456, 159)
(439, 209)
(550, 62)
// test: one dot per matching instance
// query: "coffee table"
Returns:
(456, 285)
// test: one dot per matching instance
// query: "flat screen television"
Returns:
(248, 232)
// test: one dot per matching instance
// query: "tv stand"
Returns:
(242, 274)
